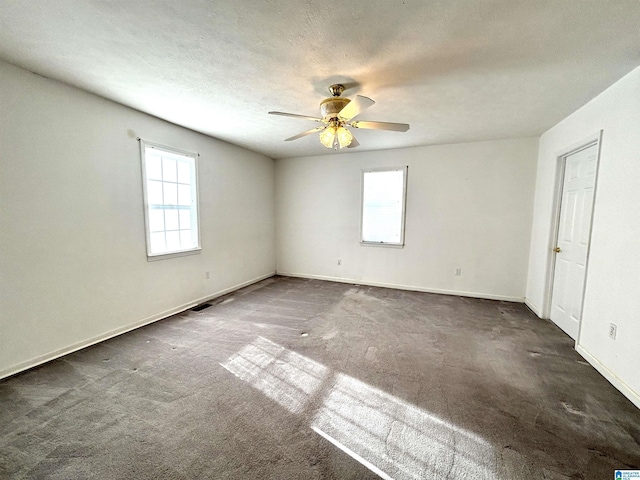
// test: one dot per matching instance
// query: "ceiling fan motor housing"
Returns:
(330, 107)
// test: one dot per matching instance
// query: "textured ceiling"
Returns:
(456, 70)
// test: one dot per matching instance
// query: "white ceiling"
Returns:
(456, 70)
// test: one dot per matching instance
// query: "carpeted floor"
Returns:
(303, 379)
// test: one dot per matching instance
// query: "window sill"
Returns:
(164, 256)
(381, 244)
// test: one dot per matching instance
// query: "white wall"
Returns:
(73, 267)
(613, 279)
(468, 206)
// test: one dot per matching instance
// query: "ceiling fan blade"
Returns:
(303, 134)
(355, 107)
(295, 115)
(354, 143)
(396, 127)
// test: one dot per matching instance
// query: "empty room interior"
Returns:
(322, 240)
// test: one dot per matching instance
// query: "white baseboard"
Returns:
(414, 288)
(533, 307)
(619, 384)
(34, 362)
(232, 289)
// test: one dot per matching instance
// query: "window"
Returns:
(171, 200)
(383, 206)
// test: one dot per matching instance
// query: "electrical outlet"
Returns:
(613, 330)
(339, 262)
(206, 275)
(458, 272)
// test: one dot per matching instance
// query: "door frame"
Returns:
(561, 157)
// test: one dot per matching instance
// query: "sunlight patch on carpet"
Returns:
(399, 439)
(282, 375)
(390, 437)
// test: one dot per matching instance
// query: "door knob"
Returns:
(557, 250)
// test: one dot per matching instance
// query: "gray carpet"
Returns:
(293, 378)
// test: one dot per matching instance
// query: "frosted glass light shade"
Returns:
(344, 137)
(328, 136)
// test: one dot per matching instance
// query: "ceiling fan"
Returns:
(338, 114)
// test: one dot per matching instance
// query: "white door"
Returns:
(574, 231)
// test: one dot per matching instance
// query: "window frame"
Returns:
(144, 144)
(405, 170)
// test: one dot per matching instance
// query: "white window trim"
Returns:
(152, 257)
(400, 244)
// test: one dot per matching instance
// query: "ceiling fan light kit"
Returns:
(337, 114)
(336, 137)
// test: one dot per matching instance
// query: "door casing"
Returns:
(555, 220)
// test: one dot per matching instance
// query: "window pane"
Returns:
(157, 242)
(172, 213)
(171, 219)
(173, 241)
(154, 168)
(156, 220)
(185, 219)
(154, 192)
(185, 239)
(383, 199)
(184, 195)
(184, 172)
(170, 191)
(169, 171)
